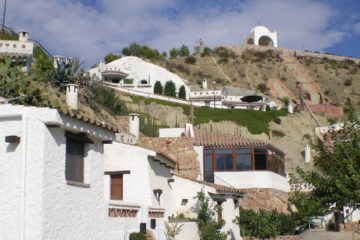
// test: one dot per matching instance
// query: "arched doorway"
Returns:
(266, 41)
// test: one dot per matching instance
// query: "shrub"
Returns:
(223, 52)
(184, 51)
(207, 52)
(182, 92)
(277, 120)
(107, 97)
(223, 60)
(348, 82)
(277, 133)
(158, 88)
(137, 236)
(138, 50)
(170, 89)
(111, 57)
(264, 224)
(209, 228)
(262, 87)
(128, 81)
(190, 60)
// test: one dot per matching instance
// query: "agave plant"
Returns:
(65, 72)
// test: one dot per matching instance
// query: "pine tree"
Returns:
(170, 89)
(158, 88)
(182, 92)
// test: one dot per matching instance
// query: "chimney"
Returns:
(72, 96)
(204, 84)
(23, 36)
(134, 124)
(307, 153)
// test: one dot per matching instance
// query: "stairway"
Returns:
(311, 88)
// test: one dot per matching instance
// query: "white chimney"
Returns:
(307, 153)
(290, 107)
(23, 36)
(204, 84)
(72, 91)
(134, 124)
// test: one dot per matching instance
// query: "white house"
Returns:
(255, 167)
(136, 74)
(19, 50)
(144, 193)
(261, 36)
(51, 174)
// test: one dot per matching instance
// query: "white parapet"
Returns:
(252, 179)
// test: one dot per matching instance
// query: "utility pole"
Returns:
(4, 15)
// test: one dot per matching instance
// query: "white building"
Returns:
(51, 174)
(136, 74)
(150, 194)
(20, 51)
(255, 167)
(261, 36)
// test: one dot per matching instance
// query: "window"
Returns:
(260, 159)
(116, 187)
(75, 154)
(74, 165)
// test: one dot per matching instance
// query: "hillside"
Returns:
(326, 78)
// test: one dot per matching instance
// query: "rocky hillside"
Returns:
(333, 79)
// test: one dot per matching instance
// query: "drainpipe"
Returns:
(22, 176)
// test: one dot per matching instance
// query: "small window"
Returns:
(74, 165)
(116, 187)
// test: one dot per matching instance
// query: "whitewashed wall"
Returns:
(252, 179)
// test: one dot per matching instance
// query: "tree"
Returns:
(182, 92)
(145, 51)
(111, 57)
(170, 89)
(209, 228)
(190, 60)
(184, 51)
(174, 53)
(335, 180)
(158, 88)
(264, 224)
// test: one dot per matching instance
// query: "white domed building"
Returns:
(261, 36)
(136, 74)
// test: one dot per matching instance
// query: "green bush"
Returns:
(138, 50)
(110, 57)
(209, 228)
(170, 89)
(190, 60)
(264, 224)
(108, 98)
(277, 133)
(262, 87)
(158, 88)
(277, 120)
(137, 236)
(182, 92)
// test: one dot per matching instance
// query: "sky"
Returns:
(89, 29)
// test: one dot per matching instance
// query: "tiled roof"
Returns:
(216, 139)
(89, 120)
(219, 188)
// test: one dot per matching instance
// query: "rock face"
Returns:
(268, 199)
(181, 150)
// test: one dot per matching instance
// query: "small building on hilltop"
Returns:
(20, 51)
(261, 36)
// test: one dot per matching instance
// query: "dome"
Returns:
(260, 29)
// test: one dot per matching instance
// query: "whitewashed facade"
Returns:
(36, 199)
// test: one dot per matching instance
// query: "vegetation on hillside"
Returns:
(257, 122)
(209, 227)
(335, 180)
(144, 51)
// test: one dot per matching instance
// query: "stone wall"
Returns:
(265, 198)
(181, 150)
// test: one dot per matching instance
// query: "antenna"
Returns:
(4, 15)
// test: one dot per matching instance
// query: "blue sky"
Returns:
(90, 29)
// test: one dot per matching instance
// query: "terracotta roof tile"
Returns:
(217, 139)
(91, 121)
